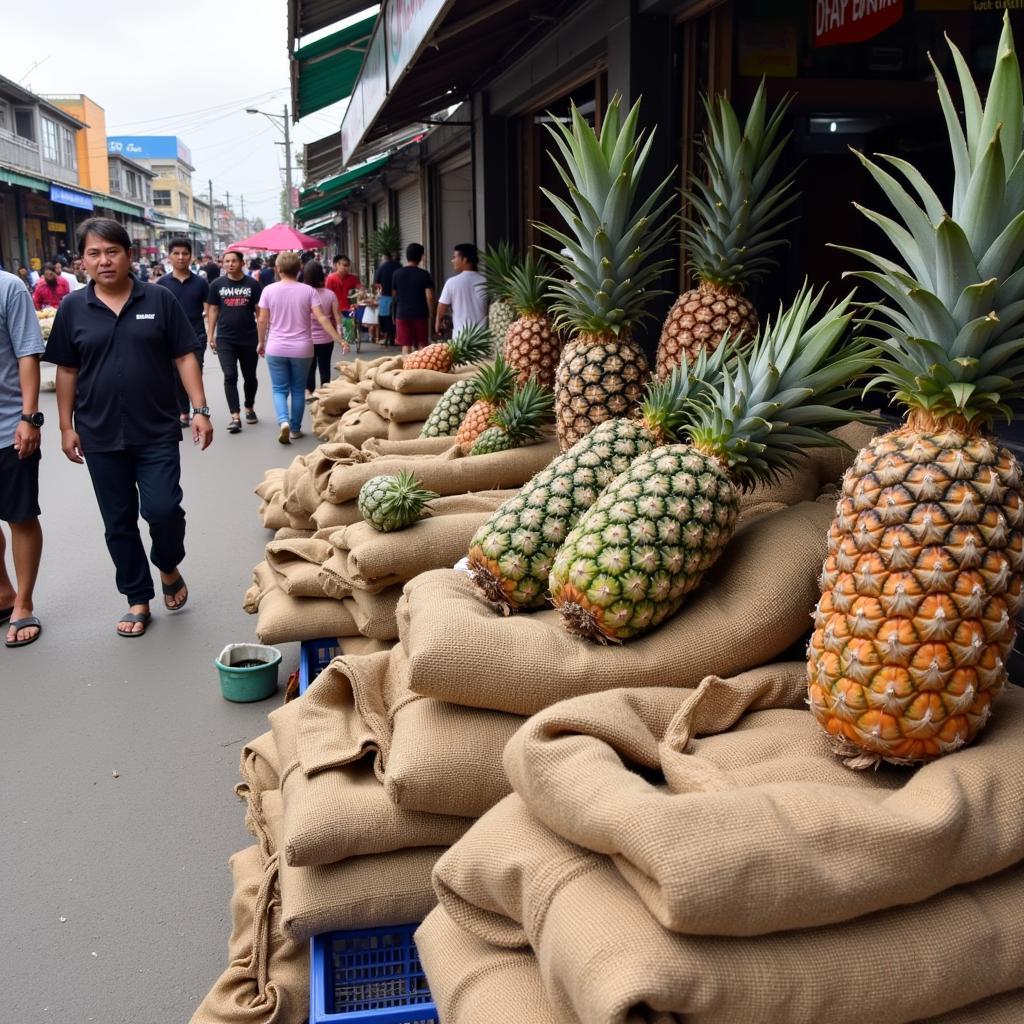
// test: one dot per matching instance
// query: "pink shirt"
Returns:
(290, 304)
(320, 336)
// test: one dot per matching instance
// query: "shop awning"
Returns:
(25, 180)
(322, 159)
(308, 16)
(326, 204)
(120, 206)
(324, 72)
(313, 226)
(346, 178)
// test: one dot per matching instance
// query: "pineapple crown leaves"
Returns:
(522, 415)
(736, 216)
(495, 381)
(472, 344)
(780, 395)
(496, 265)
(952, 316)
(604, 249)
(405, 497)
(528, 285)
(672, 404)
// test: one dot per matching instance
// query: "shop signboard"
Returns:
(149, 147)
(69, 197)
(35, 205)
(853, 21)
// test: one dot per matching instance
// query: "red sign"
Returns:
(853, 21)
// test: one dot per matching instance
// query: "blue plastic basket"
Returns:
(314, 657)
(369, 976)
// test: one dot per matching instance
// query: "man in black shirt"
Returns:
(382, 282)
(412, 292)
(232, 329)
(192, 292)
(210, 269)
(116, 347)
(267, 274)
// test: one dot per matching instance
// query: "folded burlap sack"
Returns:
(419, 382)
(511, 881)
(359, 645)
(402, 408)
(454, 471)
(359, 424)
(803, 846)
(374, 613)
(283, 618)
(296, 565)
(344, 812)
(263, 582)
(303, 498)
(399, 432)
(260, 766)
(364, 369)
(334, 398)
(329, 515)
(267, 978)
(753, 604)
(325, 457)
(378, 446)
(272, 512)
(287, 533)
(332, 577)
(271, 484)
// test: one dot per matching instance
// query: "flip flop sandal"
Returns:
(28, 623)
(5, 614)
(170, 589)
(134, 617)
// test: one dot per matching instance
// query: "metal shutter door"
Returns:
(380, 213)
(410, 223)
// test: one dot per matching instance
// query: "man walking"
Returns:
(234, 299)
(342, 281)
(382, 283)
(50, 289)
(464, 295)
(21, 344)
(210, 269)
(412, 292)
(59, 268)
(268, 274)
(116, 344)
(192, 292)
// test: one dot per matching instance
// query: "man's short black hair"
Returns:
(255, 263)
(180, 243)
(105, 228)
(49, 267)
(272, 259)
(468, 251)
(340, 257)
(414, 252)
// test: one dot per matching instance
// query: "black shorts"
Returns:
(19, 486)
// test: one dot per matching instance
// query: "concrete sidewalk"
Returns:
(116, 900)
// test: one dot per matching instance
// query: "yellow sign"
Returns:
(767, 48)
(55, 225)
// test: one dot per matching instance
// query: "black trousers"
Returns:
(134, 480)
(184, 405)
(321, 359)
(232, 357)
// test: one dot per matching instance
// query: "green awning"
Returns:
(110, 203)
(25, 180)
(347, 178)
(324, 72)
(325, 204)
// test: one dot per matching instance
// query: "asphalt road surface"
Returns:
(116, 888)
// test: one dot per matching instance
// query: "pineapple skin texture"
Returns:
(500, 317)
(372, 496)
(630, 561)
(919, 594)
(476, 421)
(450, 410)
(434, 357)
(533, 347)
(597, 379)
(511, 555)
(698, 320)
(492, 440)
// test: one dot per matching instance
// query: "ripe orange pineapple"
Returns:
(494, 384)
(470, 345)
(532, 345)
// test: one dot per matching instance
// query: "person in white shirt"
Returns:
(73, 283)
(463, 295)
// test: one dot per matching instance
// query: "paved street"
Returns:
(116, 902)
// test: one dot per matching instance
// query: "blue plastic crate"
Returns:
(314, 657)
(368, 976)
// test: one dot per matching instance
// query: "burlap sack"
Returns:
(296, 565)
(359, 424)
(378, 446)
(267, 979)
(401, 408)
(344, 812)
(753, 605)
(329, 515)
(283, 619)
(273, 514)
(287, 533)
(364, 369)
(304, 497)
(399, 432)
(331, 577)
(271, 484)
(324, 458)
(374, 613)
(512, 881)
(452, 472)
(263, 582)
(813, 827)
(334, 398)
(419, 382)
(260, 766)
(359, 645)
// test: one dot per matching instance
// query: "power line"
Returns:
(234, 104)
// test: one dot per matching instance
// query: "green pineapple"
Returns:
(451, 407)
(497, 266)
(494, 384)
(647, 541)
(518, 422)
(391, 503)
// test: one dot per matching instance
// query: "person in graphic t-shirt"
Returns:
(464, 295)
(412, 293)
(231, 320)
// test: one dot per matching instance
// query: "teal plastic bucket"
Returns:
(242, 681)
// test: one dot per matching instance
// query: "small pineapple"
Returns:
(735, 224)
(532, 345)
(646, 543)
(494, 384)
(471, 345)
(450, 410)
(496, 266)
(518, 422)
(391, 503)
(602, 253)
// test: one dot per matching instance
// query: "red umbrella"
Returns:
(278, 238)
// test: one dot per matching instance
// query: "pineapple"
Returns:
(735, 223)
(532, 345)
(391, 503)
(494, 384)
(450, 410)
(602, 370)
(518, 421)
(510, 557)
(496, 266)
(632, 558)
(472, 344)
(923, 578)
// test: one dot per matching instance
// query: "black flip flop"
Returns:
(170, 589)
(20, 624)
(134, 617)
(5, 614)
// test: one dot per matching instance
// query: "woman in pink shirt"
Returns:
(323, 346)
(287, 308)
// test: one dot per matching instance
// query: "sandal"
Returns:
(28, 623)
(134, 617)
(170, 589)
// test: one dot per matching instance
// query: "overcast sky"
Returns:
(186, 68)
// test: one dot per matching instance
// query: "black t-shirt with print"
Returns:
(236, 302)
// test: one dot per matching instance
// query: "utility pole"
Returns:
(245, 223)
(288, 166)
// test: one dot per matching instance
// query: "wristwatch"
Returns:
(203, 410)
(35, 418)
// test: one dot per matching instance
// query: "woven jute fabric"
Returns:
(398, 433)
(334, 398)
(329, 515)
(374, 613)
(380, 446)
(751, 824)
(359, 424)
(260, 766)
(332, 576)
(263, 582)
(358, 645)
(272, 483)
(454, 471)
(512, 881)
(419, 382)
(303, 497)
(283, 619)
(364, 369)
(344, 812)
(267, 978)
(288, 533)
(296, 565)
(272, 512)
(402, 408)
(752, 605)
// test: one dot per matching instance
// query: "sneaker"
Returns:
(234, 426)
(282, 434)
(296, 434)
(250, 416)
